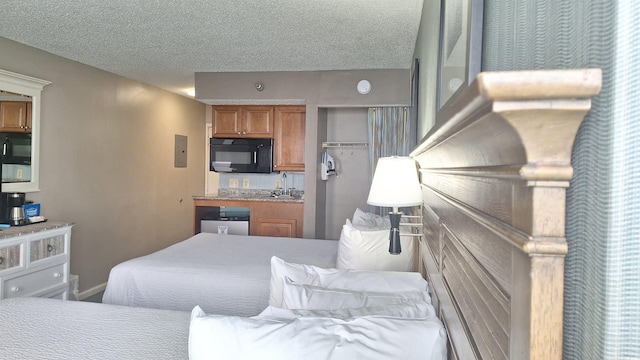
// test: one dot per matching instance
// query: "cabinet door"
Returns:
(277, 227)
(226, 122)
(257, 122)
(242, 122)
(28, 123)
(10, 257)
(277, 219)
(13, 116)
(289, 138)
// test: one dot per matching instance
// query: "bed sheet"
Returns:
(223, 274)
(37, 328)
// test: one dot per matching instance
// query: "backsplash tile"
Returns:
(263, 181)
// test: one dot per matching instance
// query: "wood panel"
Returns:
(431, 232)
(478, 298)
(494, 171)
(288, 152)
(277, 219)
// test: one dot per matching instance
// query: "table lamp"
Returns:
(395, 184)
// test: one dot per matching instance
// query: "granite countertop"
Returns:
(31, 229)
(254, 195)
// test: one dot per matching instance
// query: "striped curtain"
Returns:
(391, 132)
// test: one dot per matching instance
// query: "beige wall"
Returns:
(107, 146)
(316, 89)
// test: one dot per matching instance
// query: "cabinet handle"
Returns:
(239, 133)
(57, 275)
(15, 289)
(244, 132)
(50, 248)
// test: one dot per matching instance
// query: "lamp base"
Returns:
(394, 234)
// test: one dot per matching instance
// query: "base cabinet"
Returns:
(277, 219)
(267, 218)
(36, 263)
(276, 227)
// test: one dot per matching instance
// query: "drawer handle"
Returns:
(1, 260)
(15, 289)
(50, 248)
(57, 275)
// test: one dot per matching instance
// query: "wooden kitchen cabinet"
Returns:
(289, 128)
(242, 121)
(277, 219)
(15, 116)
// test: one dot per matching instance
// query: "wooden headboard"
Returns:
(494, 172)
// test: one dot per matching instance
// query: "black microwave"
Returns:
(241, 155)
(16, 148)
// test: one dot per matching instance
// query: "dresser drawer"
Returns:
(60, 294)
(9, 257)
(47, 248)
(28, 284)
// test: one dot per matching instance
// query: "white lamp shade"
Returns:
(395, 183)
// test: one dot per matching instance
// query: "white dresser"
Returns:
(34, 260)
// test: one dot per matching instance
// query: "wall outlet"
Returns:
(245, 183)
(278, 184)
(19, 174)
(233, 183)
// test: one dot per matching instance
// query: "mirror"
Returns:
(18, 90)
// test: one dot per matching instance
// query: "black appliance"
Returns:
(11, 208)
(16, 148)
(241, 155)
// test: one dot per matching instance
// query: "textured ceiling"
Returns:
(163, 43)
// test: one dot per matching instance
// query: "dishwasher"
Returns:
(226, 220)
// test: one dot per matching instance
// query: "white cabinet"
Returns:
(34, 261)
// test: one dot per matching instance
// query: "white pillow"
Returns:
(355, 280)
(363, 249)
(370, 220)
(418, 309)
(368, 337)
(300, 296)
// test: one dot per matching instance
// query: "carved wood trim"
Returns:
(494, 172)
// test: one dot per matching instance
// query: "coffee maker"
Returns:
(11, 208)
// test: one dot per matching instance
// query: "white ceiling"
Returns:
(163, 43)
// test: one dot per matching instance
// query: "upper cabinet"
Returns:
(288, 150)
(15, 116)
(242, 122)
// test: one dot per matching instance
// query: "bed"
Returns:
(345, 322)
(39, 328)
(223, 274)
(494, 172)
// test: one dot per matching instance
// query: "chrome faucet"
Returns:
(285, 191)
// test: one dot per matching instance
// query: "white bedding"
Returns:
(36, 328)
(223, 274)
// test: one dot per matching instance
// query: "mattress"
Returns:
(223, 274)
(37, 328)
